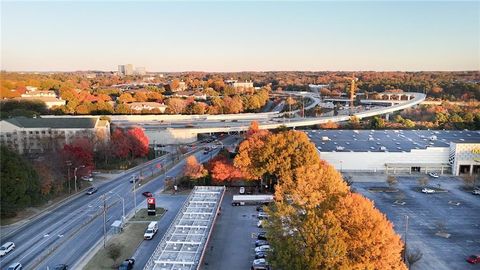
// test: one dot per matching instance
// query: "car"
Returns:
(15, 266)
(260, 208)
(473, 259)
(6, 248)
(127, 264)
(91, 190)
(147, 194)
(134, 179)
(60, 267)
(262, 215)
(476, 192)
(428, 190)
(261, 243)
(260, 255)
(260, 264)
(242, 190)
(260, 223)
(262, 236)
(264, 248)
(432, 174)
(88, 178)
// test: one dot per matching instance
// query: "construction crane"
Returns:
(352, 80)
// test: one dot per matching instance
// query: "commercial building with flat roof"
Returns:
(400, 151)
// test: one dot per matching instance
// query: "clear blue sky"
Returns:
(235, 36)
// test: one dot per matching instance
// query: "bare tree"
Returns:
(469, 180)
(391, 181)
(413, 256)
(114, 251)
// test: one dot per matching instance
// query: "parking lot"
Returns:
(455, 214)
(232, 243)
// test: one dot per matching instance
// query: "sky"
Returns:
(240, 36)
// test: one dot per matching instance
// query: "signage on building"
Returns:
(476, 151)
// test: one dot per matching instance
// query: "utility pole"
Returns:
(75, 175)
(104, 221)
(69, 163)
(134, 197)
(406, 231)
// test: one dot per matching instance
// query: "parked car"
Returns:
(6, 248)
(91, 190)
(261, 243)
(127, 264)
(428, 190)
(262, 236)
(260, 208)
(15, 266)
(260, 264)
(473, 259)
(147, 194)
(88, 178)
(476, 192)
(432, 174)
(242, 190)
(262, 215)
(260, 223)
(264, 248)
(260, 255)
(60, 267)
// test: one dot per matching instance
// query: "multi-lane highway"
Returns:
(66, 233)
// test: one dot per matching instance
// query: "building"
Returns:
(140, 71)
(187, 94)
(148, 106)
(48, 100)
(36, 135)
(125, 70)
(237, 84)
(39, 94)
(400, 151)
(317, 87)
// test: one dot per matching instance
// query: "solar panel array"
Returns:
(183, 244)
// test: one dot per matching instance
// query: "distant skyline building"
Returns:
(140, 71)
(237, 84)
(125, 70)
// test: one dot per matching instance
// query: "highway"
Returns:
(66, 233)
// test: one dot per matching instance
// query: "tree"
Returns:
(19, 181)
(377, 123)
(138, 142)
(80, 152)
(125, 98)
(120, 143)
(122, 109)
(391, 180)
(193, 169)
(329, 125)
(176, 105)
(413, 256)
(114, 251)
(141, 96)
(222, 169)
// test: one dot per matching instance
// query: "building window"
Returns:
(36, 132)
(43, 132)
(30, 132)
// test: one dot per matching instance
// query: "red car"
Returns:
(474, 259)
(147, 194)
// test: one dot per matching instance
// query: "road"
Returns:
(65, 234)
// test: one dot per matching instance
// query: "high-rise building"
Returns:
(125, 70)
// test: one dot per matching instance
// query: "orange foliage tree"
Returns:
(193, 169)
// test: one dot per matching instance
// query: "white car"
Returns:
(242, 190)
(6, 248)
(432, 174)
(87, 178)
(476, 192)
(428, 190)
(263, 248)
(262, 215)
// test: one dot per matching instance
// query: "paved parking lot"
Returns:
(456, 210)
(232, 242)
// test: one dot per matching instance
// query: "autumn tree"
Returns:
(329, 125)
(193, 169)
(222, 169)
(126, 98)
(138, 142)
(176, 105)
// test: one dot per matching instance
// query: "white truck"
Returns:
(151, 230)
(251, 199)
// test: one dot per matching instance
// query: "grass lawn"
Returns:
(129, 240)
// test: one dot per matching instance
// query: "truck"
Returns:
(151, 230)
(251, 199)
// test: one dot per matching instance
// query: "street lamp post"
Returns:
(75, 175)
(134, 196)
(123, 204)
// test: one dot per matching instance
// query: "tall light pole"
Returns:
(69, 163)
(406, 232)
(104, 221)
(134, 196)
(75, 175)
(123, 203)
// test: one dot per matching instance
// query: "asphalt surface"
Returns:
(456, 210)
(66, 233)
(232, 244)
